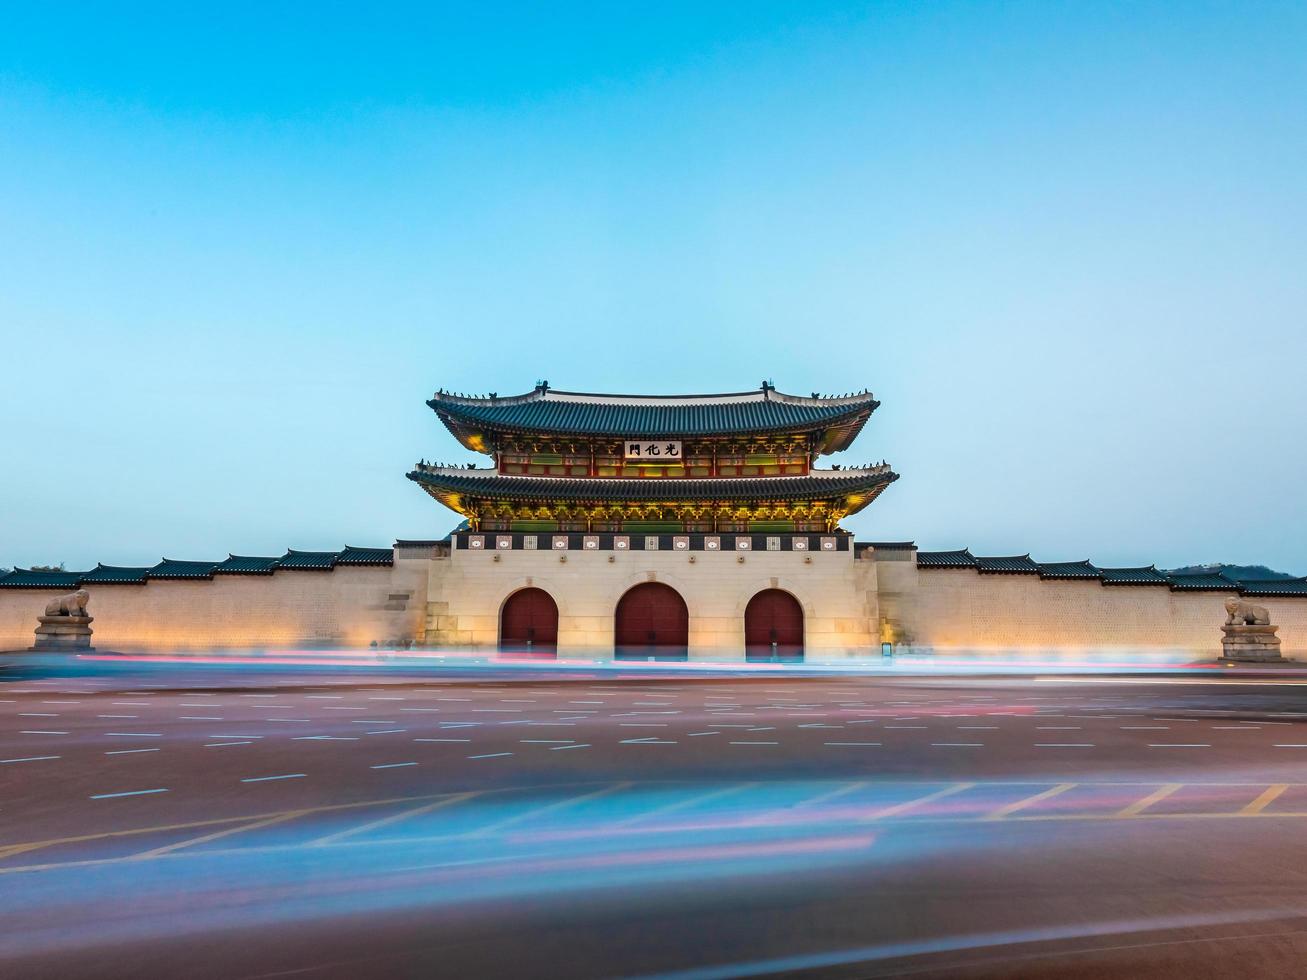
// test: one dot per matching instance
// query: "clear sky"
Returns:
(1064, 243)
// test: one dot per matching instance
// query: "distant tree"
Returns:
(1235, 573)
(49, 568)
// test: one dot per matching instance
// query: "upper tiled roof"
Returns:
(546, 411)
(1200, 582)
(1011, 565)
(451, 485)
(245, 565)
(887, 545)
(26, 578)
(168, 568)
(366, 556)
(322, 561)
(1133, 576)
(114, 574)
(946, 559)
(1068, 569)
(1274, 587)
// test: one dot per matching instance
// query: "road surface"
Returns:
(164, 821)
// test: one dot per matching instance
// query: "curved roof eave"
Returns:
(544, 411)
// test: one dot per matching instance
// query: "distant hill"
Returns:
(1233, 572)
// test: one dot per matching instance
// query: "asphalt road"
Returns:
(164, 821)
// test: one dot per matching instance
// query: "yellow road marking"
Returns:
(834, 794)
(682, 803)
(12, 849)
(898, 808)
(1011, 808)
(1038, 818)
(1139, 806)
(267, 822)
(393, 818)
(1269, 795)
(8, 850)
(548, 808)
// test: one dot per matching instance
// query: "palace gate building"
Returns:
(655, 526)
(640, 526)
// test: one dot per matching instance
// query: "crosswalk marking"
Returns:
(1140, 805)
(1010, 808)
(1268, 796)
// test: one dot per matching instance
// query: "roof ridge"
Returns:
(542, 392)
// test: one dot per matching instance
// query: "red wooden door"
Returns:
(528, 624)
(773, 627)
(652, 621)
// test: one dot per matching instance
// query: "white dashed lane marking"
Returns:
(134, 792)
(268, 779)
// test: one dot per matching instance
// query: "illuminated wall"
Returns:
(344, 607)
(960, 609)
(452, 601)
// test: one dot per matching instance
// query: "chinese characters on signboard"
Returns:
(648, 450)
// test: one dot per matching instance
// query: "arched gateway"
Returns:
(528, 624)
(651, 622)
(773, 627)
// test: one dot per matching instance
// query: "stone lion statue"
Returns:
(73, 604)
(1246, 614)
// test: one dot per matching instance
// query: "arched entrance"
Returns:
(773, 627)
(652, 623)
(528, 624)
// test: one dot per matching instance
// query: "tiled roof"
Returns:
(547, 411)
(946, 559)
(114, 574)
(366, 556)
(1200, 582)
(245, 565)
(1012, 565)
(310, 560)
(168, 568)
(26, 578)
(888, 545)
(1148, 575)
(450, 485)
(1068, 569)
(1274, 587)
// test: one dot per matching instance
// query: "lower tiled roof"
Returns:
(26, 578)
(321, 561)
(1068, 569)
(1148, 575)
(1182, 583)
(245, 565)
(170, 568)
(1274, 587)
(366, 556)
(946, 559)
(1011, 565)
(114, 574)
(448, 482)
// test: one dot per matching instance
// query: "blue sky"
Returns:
(1064, 243)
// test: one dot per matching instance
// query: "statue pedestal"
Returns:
(1250, 644)
(63, 633)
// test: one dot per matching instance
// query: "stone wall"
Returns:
(961, 609)
(345, 607)
(452, 600)
(837, 593)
